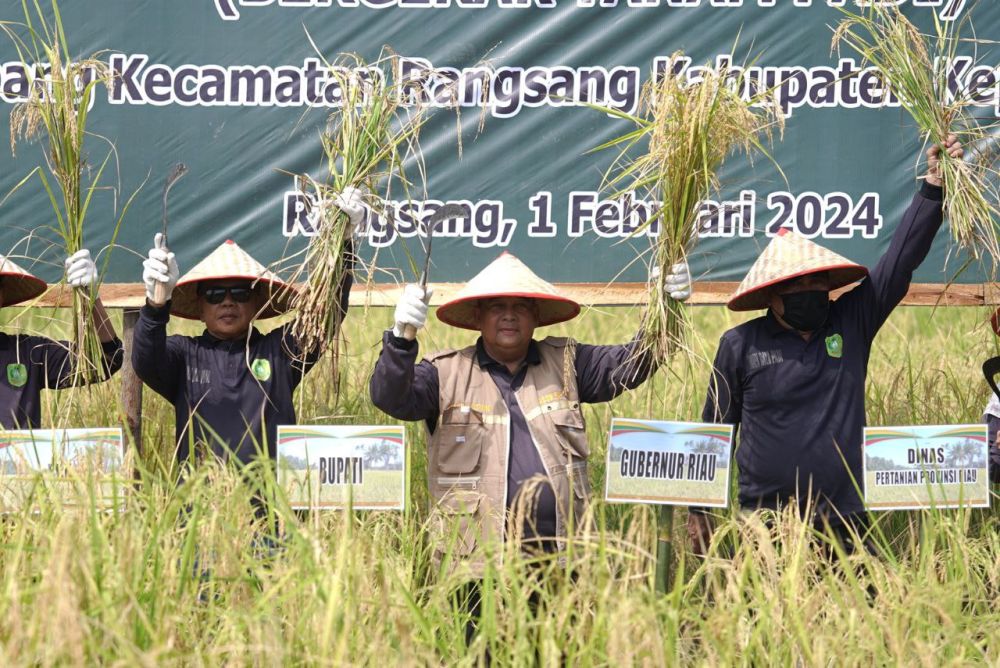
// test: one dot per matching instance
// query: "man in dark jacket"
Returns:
(231, 386)
(793, 380)
(33, 363)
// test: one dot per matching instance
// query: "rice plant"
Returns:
(684, 132)
(916, 67)
(61, 92)
(182, 574)
(365, 144)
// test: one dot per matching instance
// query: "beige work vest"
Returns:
(469, 450)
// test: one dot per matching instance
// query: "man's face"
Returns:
(235, 305)
(817, 281)
(507, 323)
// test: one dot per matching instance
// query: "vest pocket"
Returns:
(572, 433)
(580, 477)
(457, 524)
(460, 442)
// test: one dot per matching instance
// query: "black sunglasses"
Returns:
(240, 295)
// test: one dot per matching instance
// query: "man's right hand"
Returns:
(411, 309)
(955, 152)
(699, 530)
(159, 268)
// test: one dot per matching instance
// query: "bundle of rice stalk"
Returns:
(60, 93)
(687, 129)
(365, 143)
(916, 68)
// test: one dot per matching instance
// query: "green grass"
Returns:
(177, 577)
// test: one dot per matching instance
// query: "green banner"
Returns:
(237, 90)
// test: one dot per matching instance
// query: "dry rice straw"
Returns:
(916, 68)
(687, 129)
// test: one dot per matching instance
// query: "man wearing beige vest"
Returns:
(504, 414)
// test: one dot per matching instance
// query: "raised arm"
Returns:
(303, 362)
(55, 356)
(158, 360)
(400, 387)
(159, 363)
(877, 296)
(604, 372)
(351, 203)
(81, 272)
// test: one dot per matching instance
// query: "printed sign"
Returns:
(71, 466)
(363, 467)
(941, 466)
(673, 463)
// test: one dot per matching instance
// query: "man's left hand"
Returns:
(352, 202)
(955, 151)
(81, 271)
(677, 283)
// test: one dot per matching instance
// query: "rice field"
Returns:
(181, 574)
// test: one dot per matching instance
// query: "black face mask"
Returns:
(806, 311)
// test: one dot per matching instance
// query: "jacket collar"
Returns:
(484, 360)
(211, 339)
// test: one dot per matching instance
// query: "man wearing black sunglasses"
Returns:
(217, 294)
(231, 386)
(227, 307)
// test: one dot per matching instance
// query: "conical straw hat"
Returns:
(18, 285)
(229, 261)
(790, 256)
(507, 276)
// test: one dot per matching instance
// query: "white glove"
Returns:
(351, 202)
(159, 267)
(81, 271)
(412, 308)
(677, 283)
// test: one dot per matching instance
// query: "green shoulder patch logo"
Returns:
(17, 374)
(835, 346)
(261, 369)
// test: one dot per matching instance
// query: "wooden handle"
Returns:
(160, 295)
(409, 332)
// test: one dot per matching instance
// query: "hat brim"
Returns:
(278, 295)
(18, 287)
(551, 309)
(760, 296)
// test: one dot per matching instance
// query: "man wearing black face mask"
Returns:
(793, 380)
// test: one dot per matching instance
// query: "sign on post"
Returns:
(71, 466)
(941, 466)
(337, 467)
(671, 463)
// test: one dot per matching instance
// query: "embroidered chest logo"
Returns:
(17, 375)
(835, 346)
(763, 358)
(261, 369)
